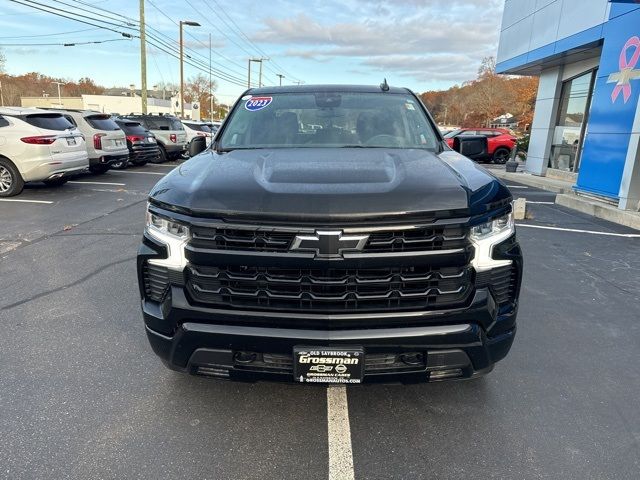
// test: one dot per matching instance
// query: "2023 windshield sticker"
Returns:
(257, 103)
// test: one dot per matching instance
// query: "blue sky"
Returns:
(420, 44)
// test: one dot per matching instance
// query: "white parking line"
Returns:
(96, 183)
(143, 173)
(24, 201)
(541, 203)
(516, 186)
(156, 165)
(339, 435)
(575, 230)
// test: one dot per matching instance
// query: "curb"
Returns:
(543, 183)
(600, 210)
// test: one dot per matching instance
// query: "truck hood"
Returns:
(330, 184)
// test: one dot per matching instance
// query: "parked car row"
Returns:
(38, 146)
(49, 145)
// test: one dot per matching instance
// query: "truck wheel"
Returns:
(140, 163)
(98, 169)
(163, 156)
(55, 182)
(11, 182)
(501, 155)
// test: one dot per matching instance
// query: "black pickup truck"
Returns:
(330, 235)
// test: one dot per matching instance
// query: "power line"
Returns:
(192, 36)
(154, 40)
(53, 34)
(130, 23)
(127, 35)
(248, 40)
(251, 54)
(68, 44)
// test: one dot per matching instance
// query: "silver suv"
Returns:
(106, 142)
(169, 133)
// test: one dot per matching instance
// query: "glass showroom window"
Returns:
(572, 120)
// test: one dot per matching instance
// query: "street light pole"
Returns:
(190, 24)
(280, 77)
(256, 60)
(59, 96)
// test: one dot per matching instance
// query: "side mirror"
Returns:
(472, 146)
(197, 146)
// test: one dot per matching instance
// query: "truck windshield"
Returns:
(328, 119)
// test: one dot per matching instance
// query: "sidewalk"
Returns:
(568, 198)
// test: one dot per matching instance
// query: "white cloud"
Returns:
(427, 40)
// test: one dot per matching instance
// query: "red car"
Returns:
(501, 141)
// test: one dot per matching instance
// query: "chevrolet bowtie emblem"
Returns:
(627, 72)
(329, 243)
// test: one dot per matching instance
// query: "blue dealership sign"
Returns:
(613, 108)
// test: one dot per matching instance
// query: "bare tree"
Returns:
(197, 90)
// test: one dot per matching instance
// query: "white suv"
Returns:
(37, 145)
(106, 142)
(197, 129)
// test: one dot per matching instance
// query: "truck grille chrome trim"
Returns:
(329, 290)
(282, 239)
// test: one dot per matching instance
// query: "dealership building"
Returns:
(586, 125)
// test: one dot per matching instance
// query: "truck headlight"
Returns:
(174, 235)
(485, 236)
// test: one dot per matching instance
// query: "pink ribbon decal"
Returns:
(626, 67)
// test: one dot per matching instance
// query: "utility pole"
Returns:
(189, 24)
(260, 75)
(280, 77)
(143, 60)
(59, 96)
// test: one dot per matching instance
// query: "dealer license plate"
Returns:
(119, 143)
(328, 365)
(71, 141)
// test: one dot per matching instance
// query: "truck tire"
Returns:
(11, 182)
(163, 156)
(501, 155)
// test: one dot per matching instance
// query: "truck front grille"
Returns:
(264, 239)
(329, 290)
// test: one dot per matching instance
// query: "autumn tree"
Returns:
(475, 103)
(35, 84)
(197, 89)
(3, 61)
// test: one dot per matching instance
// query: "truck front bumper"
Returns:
(438, 345)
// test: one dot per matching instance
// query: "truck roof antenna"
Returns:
(384, 86)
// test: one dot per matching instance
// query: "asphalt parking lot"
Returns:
(83, 396)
